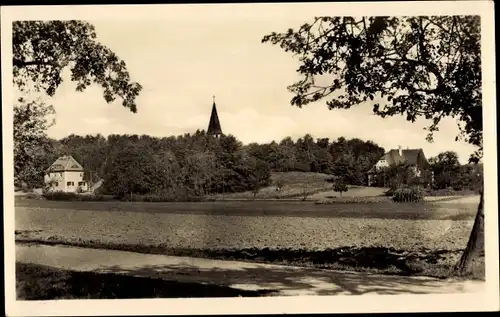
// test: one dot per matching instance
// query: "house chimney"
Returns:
(400, 148)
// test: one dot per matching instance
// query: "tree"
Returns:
(41, 50)
(132, 170)
(260, 174)
(446, 168)
(425, 66)
(342, 166)
(279, 183)
(340, 186)
(31, 120)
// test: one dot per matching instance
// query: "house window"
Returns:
(81, 174)
(70, 183)
(81, 183)
(56, 184)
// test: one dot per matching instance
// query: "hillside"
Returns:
(295, 184)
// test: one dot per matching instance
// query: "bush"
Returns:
(171, 195)
(407, 194)
(162, 198)
(93, 198)
(59, 195)
(33, 196)
(340, 187)
(63, 196)
(353, 200)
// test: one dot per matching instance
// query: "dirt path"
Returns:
(284, 280)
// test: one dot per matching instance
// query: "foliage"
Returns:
(60, 195)
(353, 200)
(172, 196)
(402, 174)
(131, 170)
(407, 194)
(259, 174)
(168, 169)
(280, 183)
(425, 66)
(31, 146)
(41, 50)
(198, 163)
(449, 173)
(350, 159)
(340, 186)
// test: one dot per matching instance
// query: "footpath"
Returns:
(281, 280)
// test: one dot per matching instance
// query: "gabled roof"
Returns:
(65, 163)
(214, 127)
(409, 156)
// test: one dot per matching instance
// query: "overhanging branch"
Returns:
(20, 63)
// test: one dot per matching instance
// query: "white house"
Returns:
(66, 175)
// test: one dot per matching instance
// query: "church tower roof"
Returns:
(214, 127)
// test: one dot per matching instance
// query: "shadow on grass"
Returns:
(36, 282)
(191, 280)
(379, 260)
(297, 281)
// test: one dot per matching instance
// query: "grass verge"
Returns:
(376, 260)
(36, 282)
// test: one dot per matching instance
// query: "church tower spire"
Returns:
(214, 124)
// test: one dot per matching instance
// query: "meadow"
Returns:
(300, 186)
(421, 238)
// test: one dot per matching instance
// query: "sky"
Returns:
(182, 60)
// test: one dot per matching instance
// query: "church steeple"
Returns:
(214, 124)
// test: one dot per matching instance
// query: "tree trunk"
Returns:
(474, 239)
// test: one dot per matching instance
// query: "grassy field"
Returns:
(295, 185)
(423, 238)
(384, 209)
(35, 282)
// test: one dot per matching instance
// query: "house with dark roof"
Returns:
(413, 157)
(66, 175)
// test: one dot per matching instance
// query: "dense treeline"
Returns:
(350, 159)
(197, 164)
(449, 173)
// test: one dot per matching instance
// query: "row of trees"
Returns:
(449, 173)
(130, 164)
(196, 163)
(350, 159)
(199, 164)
